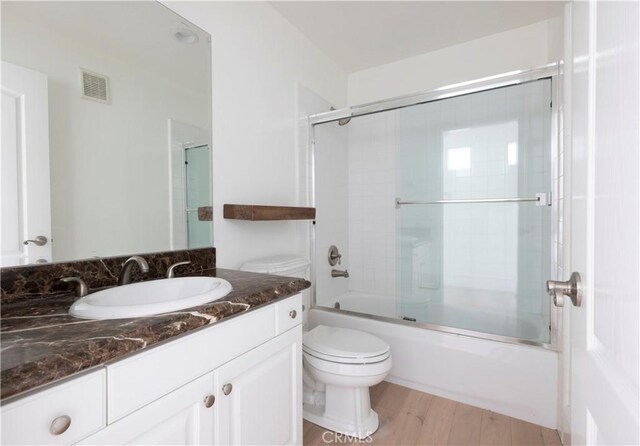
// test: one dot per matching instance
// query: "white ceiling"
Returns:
(363, 34)
(139, 33)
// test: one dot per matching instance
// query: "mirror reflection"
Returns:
(106, 131)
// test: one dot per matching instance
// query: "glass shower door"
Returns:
(198, 193)
(467, 258)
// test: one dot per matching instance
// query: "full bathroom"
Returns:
(320, 222)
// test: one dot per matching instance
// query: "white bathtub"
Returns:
(468, 309)
(515, 380)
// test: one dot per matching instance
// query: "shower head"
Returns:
(343, 121)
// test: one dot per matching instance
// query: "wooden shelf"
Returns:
(254, 212)
(205, 213)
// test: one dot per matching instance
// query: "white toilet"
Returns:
(339, 364)
(339, 367)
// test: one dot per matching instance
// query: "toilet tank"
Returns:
(291, 265)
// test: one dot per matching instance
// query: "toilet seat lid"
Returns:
(343, 343)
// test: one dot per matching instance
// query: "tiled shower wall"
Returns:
(373, 143)
(489, 145)
(332, 218)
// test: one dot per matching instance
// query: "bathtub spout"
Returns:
(338, 273)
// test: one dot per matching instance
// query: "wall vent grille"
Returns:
(95, 86)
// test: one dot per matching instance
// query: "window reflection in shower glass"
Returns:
(198, 193)
(459, 159)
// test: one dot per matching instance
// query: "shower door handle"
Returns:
(571, 288)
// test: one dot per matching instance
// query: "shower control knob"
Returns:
(334, 257)
(571, 288)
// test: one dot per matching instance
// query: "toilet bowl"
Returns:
(339, 367)
(339, 364)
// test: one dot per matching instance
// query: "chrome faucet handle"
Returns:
(170, 270)
(125, 273)
(81, 287)
(334, 257)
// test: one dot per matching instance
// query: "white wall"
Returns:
(109, 163)
(373, 145)
(520, 48)
(258, 60)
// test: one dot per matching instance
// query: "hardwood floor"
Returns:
(409, 417)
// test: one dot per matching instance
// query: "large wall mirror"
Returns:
(106, 131)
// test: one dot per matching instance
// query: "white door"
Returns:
(605, 225)
(24, 190)
(183, 417)
(260, 394)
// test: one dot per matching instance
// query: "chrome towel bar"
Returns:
(541, 199)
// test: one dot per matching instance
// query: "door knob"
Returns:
(40, 240)
(571, 288)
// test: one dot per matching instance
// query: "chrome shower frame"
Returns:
(552, 71)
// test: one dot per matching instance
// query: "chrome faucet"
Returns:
(338, 273)
(171, 270)
(81, 287)
(125, 274)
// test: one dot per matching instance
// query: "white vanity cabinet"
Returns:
(259, 398)
(183, 417)
(237, 382)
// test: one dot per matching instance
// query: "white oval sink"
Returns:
(149, 298)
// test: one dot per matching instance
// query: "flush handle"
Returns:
(571, 288)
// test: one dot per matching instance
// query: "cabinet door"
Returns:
(178, 418)
(259, 394)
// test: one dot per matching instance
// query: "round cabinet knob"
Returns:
(293, 314)
(227, 388)
(60, 425)
(209, 400)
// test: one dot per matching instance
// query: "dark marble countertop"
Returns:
(41, 343)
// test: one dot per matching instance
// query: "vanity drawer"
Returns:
(288, 313)
(146, 376)
(62, 414)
